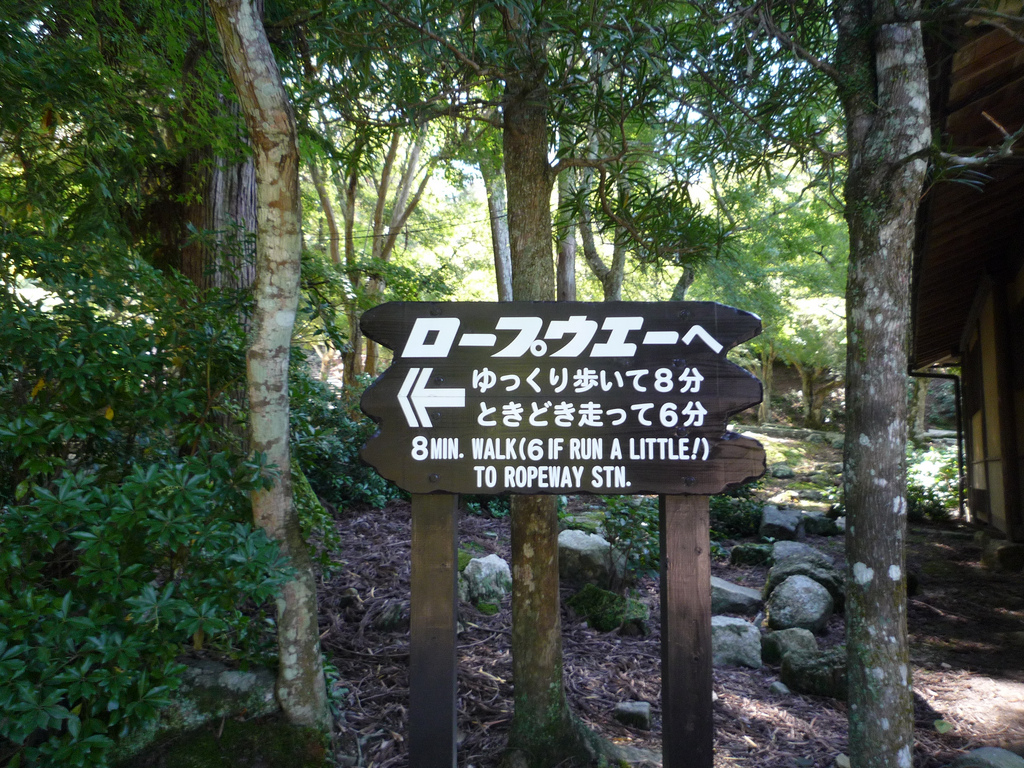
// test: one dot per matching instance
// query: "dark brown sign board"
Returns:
(568, 397)
(561, 397)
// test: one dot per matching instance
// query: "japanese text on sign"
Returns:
(548, 398)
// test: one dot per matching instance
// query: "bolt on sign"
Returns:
(566, 397)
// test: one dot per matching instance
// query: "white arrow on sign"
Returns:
(415, 398)
(707, 338)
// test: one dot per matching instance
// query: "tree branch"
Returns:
(1002, 152)
(459, 55)
(798, 50)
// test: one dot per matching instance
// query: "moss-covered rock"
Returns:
(267, 742)
(606, 611)
(488, 609)
(751, 554)
(209, 692)
(775, 645)
(820, 673)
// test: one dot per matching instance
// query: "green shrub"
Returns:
(735, 517)
(494, 507)
(932, 484)
(607, 611)
(328, 429)
(631, 526)
(124, 504)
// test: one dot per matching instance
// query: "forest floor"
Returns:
(966, 633)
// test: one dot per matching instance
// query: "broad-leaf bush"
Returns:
(932, 484)
(631, 526)
(124, 510)
(328, 429)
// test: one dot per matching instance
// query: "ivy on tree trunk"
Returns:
(884, 88)
(300, 681)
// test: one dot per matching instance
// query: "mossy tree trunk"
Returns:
(268, 116)
(544, 732)
(884, 87)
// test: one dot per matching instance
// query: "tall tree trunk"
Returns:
(494, 183)
(326, 352)
(544, 733)
(223, 214)
(811, 401)
(352, 358)
(683, 284)
(268, 115)
(885, 98)
(334, 247)
(565, 234)
(918, 417)
(764, 410)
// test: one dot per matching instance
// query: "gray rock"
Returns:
(735, 642)
(819, 524)
(826, 575)
(590, 521)
(635, 714)
(775, 645)
(586, 558)
(209, 691)
(821, 673)
(485, 580)
(989, 757)
(781, 471)
(779, 688)
(784, 549)
(809, 494)
(837, 441)
(842, 761)
(799, 602)
(751, 554)
(1001, 556)
(727, 597)
(781, 523)
(637, 757)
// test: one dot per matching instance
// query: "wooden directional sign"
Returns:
(561, 397)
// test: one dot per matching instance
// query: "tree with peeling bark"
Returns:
(301, 690)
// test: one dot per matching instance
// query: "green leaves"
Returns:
(125, 534)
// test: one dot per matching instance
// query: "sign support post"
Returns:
(686, 680)
(433, 617)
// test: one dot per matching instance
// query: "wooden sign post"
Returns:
(687, 723)
(567, 397)
(434, 609)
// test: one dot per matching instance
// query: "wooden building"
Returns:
(968, 279)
